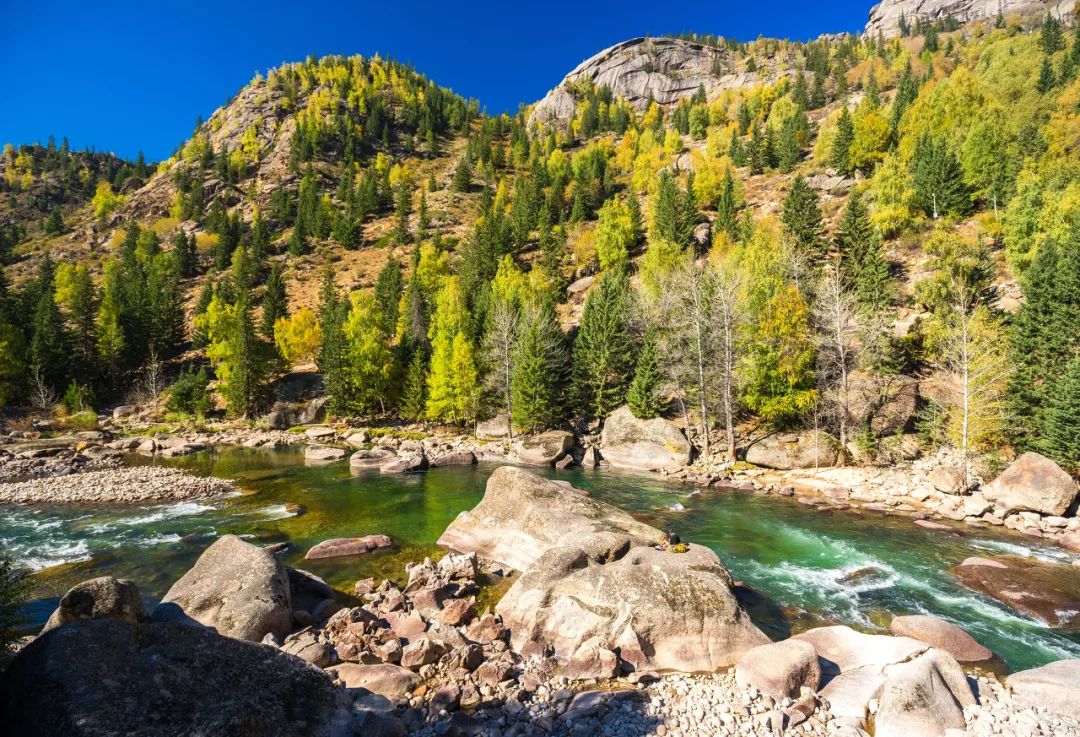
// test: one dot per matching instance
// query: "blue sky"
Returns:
(124, 76)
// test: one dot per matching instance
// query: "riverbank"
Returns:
(131, 485)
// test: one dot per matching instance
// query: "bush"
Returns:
(189, 394)
(77, 398)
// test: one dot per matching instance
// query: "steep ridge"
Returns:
(885, 17)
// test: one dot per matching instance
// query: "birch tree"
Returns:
(836, 316)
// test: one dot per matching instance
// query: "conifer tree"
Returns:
(368, 358)
(274, 302)
(539, 374)
(165, 306)
(603, 359)
(199, 338)
(840, 157)
(1051, 37)
(453, 382)
(238, 357)
(402, 210)
(48, 354)
(1061, 425)
(643, 395)
(1047, 79)
(184, 254)
(860, 246)
(462, 180)
(727, 215)
(389, 285)
(413, 405)
(802, 219)
(938, 179)
(331, 360)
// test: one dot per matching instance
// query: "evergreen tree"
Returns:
(539, 375)
(199, 338)
(274, 302)
(1052, 38)
(860, 246)
(423, 217)
(603, 360)
(369, 359)
(184, 253)
(802, 219)
(453, 381)
(239, 359)
(402, 210)
(54, 223)
(1061, 425)
(48, 354)
(674, 211)
(389, 286)
(840, 157)
(165, 306)
(938, 179)
(462, 180)
(413, 406)
(643, 397)
(789, 151)
(727, 214)
(331, 360)
(1047, 80)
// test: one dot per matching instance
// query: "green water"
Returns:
(798, 559)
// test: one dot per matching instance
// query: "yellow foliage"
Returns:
(298, 337)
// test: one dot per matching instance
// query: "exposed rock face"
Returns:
(1053, 687)
(627, 442)
(236, 588)
(340, 547)
(780, 669)
(97, 679)
(1032, 483)
(98, 598)
(664, 69)
(788, 450)
(941, 634)
(1049, 592)
(659, 609)
(522, 516)
(885, 16)
(543, 449)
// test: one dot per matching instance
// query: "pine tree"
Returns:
(643, 397)
(1061, 425)
(368, 357)
(539, 374)
(402, 210)
(331, 360)
(48, 354)
(413, 405)
(938, 179)
(388, 290)
(199, 338)
(462, 180)
(423, 217)
(237, 355)
(274, 302)
(1047, 80)
(603, 361)
(802, 219)
(860, 246)
(184, 253)
(840, 157)
(453, 383)
(165, 306)
(727, 213)
(789, 151)
(1052, 38)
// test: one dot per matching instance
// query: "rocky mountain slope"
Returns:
(885, 16)
(662, 69)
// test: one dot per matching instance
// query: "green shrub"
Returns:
(77, 398)
(190, 394)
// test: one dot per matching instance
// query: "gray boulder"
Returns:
(1053, 687)
(99, 598)
(103, 678)
(323, 454)
(543, 449)
(923, 697)
(370, 459)
(497, 428)
(385, 679)
(340, 547)
(522, 516)
(1032, 483)
(236, 588)
(941, 634)
(787, 450)
(780, 669)
(459, 457)
(627, 442)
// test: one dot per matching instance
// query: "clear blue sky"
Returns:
(123, 75)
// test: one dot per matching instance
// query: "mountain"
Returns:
(885, 17)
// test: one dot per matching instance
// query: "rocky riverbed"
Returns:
(115, 485)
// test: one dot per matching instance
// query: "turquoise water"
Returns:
(809, 566)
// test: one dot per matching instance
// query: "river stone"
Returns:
(104, 677)
(523, 515)
(372, 458)
(842, 648)
(406, 461)
(309, 646)
(385, 679)
(323, 453)
(340, 547)
(660, 610)
(923, 697)
(460, 457)
(941, 634)
(236, 588)
(1032, 483)
(543, 449)
(1052, 686)
(780, 669)
(947, 479)
(627, 442)
(497, 428)
(1048, 592)
(787, 450)
(99, 598)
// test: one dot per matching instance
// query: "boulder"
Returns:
(313, 411)
(923, 697)
(385, 679)
(497, 428)
(843, 649)
(1052, 686)
(543, 449)
(323, 453)
(659, 609)
(460, 457)
(99, 598)
(789, 450)
(307, 591)
(370, 459)
(107, 677)
(943, 635)
(357, 439)
(1032, 483)
(592, 660)
(309, 646)
(282, 416)
(780, 669)
(1048, 592)
(236, 588)
(412, 461)
(576, 292)
(340, 547)
(523, 515)
(627, 442)
(947, 479)
(320, 432)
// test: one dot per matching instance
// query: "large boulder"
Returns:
(323, 453)
(787, 450)
(523, 515)
(923, 697)
(99, 598)
(1032, 483)
(657, 608)
(780, 669)
(543, 449)
(627, 442)
(1053, 687)
(236, 588)
(497, 428)
(843, 649)
(1048, 592)
(340, 547)
(102, 678)
(941, 634)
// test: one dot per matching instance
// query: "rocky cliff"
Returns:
(663, 69)
(885, 16)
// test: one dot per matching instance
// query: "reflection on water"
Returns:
(807, 566)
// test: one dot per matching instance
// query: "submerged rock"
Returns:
(99, 598)
(102, 678)
(236, 588)
(627, 442)
(340, 547)
(1048, 592)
